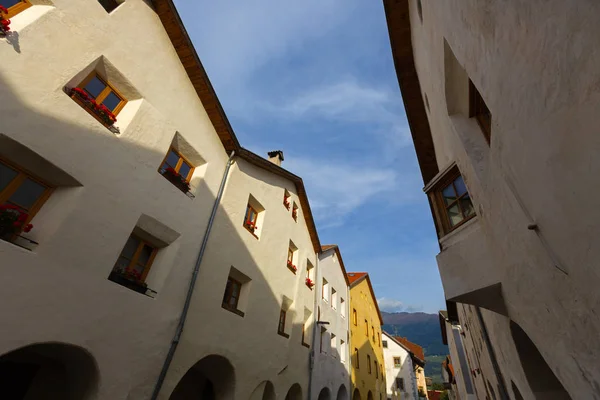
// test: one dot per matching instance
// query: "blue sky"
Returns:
(315, 78)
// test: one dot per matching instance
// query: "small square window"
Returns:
(400, 384)
(292, 257)
(133, 264)
(369, 367)
(357, 358)
(397, 362)
(253, 217)
(286, 199)
(480, 111)
(342, 308)
(354, 317)
(295, 212)
(310, 274)
(384, 343)
(231, 298)
(281, 326)
(177, 169)
(334, 297)
(325, 291)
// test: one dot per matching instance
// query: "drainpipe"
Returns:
(188, 298)
(488, 344)
(311, 362)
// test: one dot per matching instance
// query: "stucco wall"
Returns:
(535, 66)
(60, 291)
(361, 299)
(251, 343)
(332, 368)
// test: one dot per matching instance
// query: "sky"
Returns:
(315, 78)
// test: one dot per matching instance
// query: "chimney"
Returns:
(276, 157)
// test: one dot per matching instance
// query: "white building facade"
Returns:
(399, 368)
(331, 371)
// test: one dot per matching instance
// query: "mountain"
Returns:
(422, 329)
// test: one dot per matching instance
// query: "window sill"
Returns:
(292, 269)
(285, 335)
(306, 345)
(86, 107)
(250, 230)
(135, 286)
(186, 189)
(233, 310)
(310, 286)
(21, 241)
(453, 236)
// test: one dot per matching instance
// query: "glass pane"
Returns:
(227, 295)
(7, 174)
(27, 194)
(185, 169)
(449, 194)
(454, 215)
(9, 3)
(94, 87)
(172, 159)
(130, 247)
(145, 255)
(111, 101)
(461, 188)
(467, 206)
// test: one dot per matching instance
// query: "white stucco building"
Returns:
(399, 368)
(502, 110)
(331, 372)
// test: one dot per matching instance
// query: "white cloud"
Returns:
(392, 305)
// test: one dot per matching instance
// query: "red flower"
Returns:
(16, 224)
(27, 228)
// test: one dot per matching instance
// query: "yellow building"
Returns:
(368, 370)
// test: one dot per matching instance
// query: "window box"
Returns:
(129, 281)
(98, 111)
(251, 219)
(292, 267)
(4, 21)
(309, 283)
(177, 180)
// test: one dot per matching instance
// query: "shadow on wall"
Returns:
(373, 387)
(109, 169)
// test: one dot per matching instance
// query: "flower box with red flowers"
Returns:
(4, 22)
(176, 179)
(292, 266)
(13, 221)
(131, 279)
(309, 283)
(286, 203)
(100, 111)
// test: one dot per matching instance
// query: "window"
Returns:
(232, 294)
(14, 6)
(379, 338)
(325, 290)
(304, 335)
(451, 201)
(400, 384)
(133, 264)
(281, 326)
(109, 5)
(354, 317)
(384, 344)
(373, 334)
(177, 169)
(376, 371)
(397, 362)
(322, 340)
(369, 363)
(342, 307)
(342, 351)
(22, 196)
(99, 98)
(286, 199)
(357, 359)
(250, 219)
(367, 329)
(333, 298)
(479, 110)
(333, 345)
(295, 212)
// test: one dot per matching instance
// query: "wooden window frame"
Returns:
(136, 256)
(228, 295)
(439, 206)
(247, 222)
(105, 92)
(177, 168)
(369, 367)
(17, 8)
(479, 110)
(281, 324)
(11, 188)
(385, 344)
(399, 363)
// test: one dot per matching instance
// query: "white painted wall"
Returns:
(406, 371)
(332, 365)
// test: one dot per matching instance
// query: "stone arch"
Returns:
(295, 393)
(211, 378)
(542, 381)
(264, 391)
(48, 371)
(325, 394)
(370, 395)
(342, 393)
(356, 395)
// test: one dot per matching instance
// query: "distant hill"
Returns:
(422, 329)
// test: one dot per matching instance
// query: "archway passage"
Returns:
(264, 391)
(356, 395)
(325, 394)
(48, 371)
(342, 393)
(542, 381)
(211, 378)
(295, 393)
(369, 395)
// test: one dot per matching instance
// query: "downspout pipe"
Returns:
(190, 292)
(313, 353)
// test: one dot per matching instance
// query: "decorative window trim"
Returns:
(434, 192)
(17, 8)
